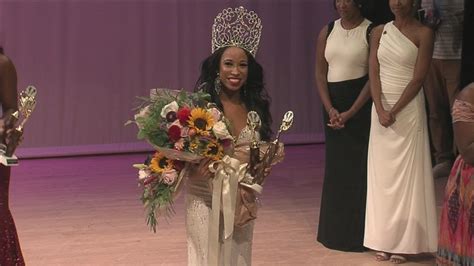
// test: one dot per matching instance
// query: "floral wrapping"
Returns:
(182, 127)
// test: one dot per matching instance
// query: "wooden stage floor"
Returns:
(86, 211)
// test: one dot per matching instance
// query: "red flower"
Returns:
(174, 133)
(178, 165)
(226, 143)
(149, 180)
(183, 115)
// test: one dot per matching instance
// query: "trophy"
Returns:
(253, 123)
(258, 174)
(12, 139)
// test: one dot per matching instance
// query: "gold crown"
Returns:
(237, 27)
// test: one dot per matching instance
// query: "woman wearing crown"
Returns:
(10, 252)
(234, 79)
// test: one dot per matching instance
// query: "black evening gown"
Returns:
(342, 213)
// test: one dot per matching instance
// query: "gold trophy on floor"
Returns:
(259, 164)
(10, 140)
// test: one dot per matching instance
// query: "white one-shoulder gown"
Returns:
(400, 213)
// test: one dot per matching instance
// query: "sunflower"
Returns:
(201, 120)
(160, 163)
(214, 151)
(194, 145)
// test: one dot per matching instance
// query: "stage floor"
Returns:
(86, 211)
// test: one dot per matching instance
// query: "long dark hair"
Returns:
(1, 49)
(253, 94)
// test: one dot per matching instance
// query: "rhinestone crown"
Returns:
(237, 27)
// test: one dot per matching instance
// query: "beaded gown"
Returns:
(198, 211)
(10, 252)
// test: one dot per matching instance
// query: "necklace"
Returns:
(348, 28)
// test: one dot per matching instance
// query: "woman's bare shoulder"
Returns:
(5, 61)
(6, 65)
(423, 31)
(378, 28)
(376, 32)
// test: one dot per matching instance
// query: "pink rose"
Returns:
(192, 132)
(143, 174)
(185, 132)
(169, 176)
(179, 145)
(216, 114)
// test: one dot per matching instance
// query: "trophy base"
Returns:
(255, 187)
(8, 161)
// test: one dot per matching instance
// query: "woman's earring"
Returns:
(217, 84)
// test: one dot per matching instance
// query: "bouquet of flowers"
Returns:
(184, 128)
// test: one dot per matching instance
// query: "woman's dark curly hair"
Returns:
(253, 93)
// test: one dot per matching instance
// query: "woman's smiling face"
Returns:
(233, 68)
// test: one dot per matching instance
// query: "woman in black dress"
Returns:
(10, 252)
(341, 74)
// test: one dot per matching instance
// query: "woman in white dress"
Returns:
(400, 213)
(235, 82)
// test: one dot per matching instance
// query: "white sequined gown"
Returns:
(198, 210)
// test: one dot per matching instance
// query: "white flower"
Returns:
(216, 114)
(171, 107)
(220, 130)
(143, 113)
(184, 132)
(169, 176)
(142, 174)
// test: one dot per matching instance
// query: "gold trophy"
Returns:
(265, 162)
(272, 150)
(253, 123)
(27, 103)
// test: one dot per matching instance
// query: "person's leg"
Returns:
(452, 74)
(439, 115)
(450, 71)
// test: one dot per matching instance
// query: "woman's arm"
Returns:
(321, 75)
(8, 90)
(364, 95)
(425, 52)
(8, 84)
(464, 131)
(385, 118)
